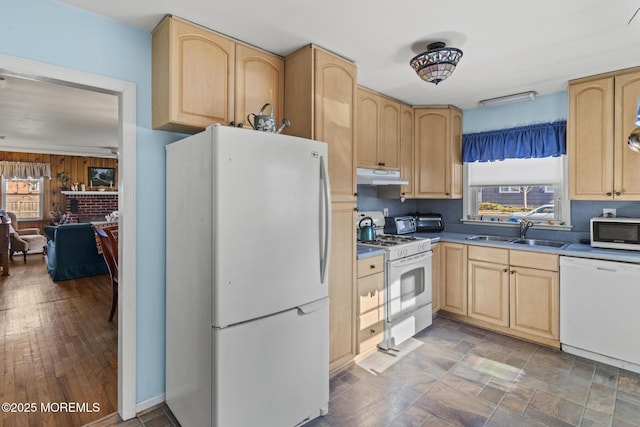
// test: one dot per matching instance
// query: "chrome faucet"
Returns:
(524, 227)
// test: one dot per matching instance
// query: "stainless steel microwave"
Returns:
(616, 233)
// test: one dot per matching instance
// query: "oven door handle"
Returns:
(414, 259)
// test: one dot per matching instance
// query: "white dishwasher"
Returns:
(600, 311)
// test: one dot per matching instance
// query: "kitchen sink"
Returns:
(539, 242)
(491, 238)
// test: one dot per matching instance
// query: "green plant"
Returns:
(64, 179)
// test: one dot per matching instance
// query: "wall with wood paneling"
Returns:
(76, 167)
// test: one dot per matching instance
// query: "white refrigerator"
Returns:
(248, 237)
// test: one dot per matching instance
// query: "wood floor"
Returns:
(58, 352)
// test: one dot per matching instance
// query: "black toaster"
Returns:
(428, 222)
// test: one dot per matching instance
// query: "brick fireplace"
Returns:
(88, 206)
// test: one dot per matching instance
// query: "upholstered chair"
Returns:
(25, 240)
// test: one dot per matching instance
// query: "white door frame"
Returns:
(126, 92)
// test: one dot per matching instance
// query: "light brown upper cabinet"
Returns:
(602, 112)
(438, 153)
(200, 77)
(320, 99)
(378, 131)
(407, 151)
(259, 80)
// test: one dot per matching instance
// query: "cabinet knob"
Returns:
(373, 331)
(372, 294)
(505, 270)
(447, 194)
(609, 194)
(618, 193)
(356, 209)
(372, 266)
(513, 272)
(381, 163)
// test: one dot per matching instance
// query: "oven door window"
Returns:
(408, 287)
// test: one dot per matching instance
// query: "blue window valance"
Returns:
(533, 141)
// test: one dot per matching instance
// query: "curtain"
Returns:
(25, 170)
(533, 141)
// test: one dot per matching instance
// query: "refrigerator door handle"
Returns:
(325, 220)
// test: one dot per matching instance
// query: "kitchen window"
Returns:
(517, 174)
(24, 197)
(515, 189)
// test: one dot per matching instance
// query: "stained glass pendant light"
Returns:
(437, 63)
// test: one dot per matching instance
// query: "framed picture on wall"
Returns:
(102, 177)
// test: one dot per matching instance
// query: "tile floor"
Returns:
(456, 375)
(464, 376)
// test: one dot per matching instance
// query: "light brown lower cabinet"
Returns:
(370, 303)
(514, 292)
(342, 292)
(488, 284)
(535, 294)
(453, 276)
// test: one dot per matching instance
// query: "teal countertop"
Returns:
(363, 251)
(573, 249)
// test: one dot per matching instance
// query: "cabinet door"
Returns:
(368, 113)
(406, 151)
(259, 80)
(438, 153)
(453, 273)
(590, 139)
(342, 304)
(389, 143)
(489, 292)
(535, 297)
(455, 154)
(193, 73)
(436, 282)
(334, 116)
(626, 162)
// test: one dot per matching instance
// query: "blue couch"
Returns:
(72, 252)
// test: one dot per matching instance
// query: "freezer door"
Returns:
(270, 223)
(273, 371)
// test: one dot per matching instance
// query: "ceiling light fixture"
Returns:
(437, 63)
(508, 99)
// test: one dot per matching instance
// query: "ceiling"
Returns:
(46, 117)
(509, 47)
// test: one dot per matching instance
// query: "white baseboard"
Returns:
(629, 366)
(149, 403)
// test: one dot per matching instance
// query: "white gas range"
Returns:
(407, 277)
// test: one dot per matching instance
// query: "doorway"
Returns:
(126, 93)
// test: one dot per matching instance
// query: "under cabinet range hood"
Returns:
(380, 177)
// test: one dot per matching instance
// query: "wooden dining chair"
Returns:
(110, 254)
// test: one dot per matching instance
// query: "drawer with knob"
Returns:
(370, 266)
(370, 336)
(370, 293)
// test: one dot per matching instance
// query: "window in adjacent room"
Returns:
(24, 197)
